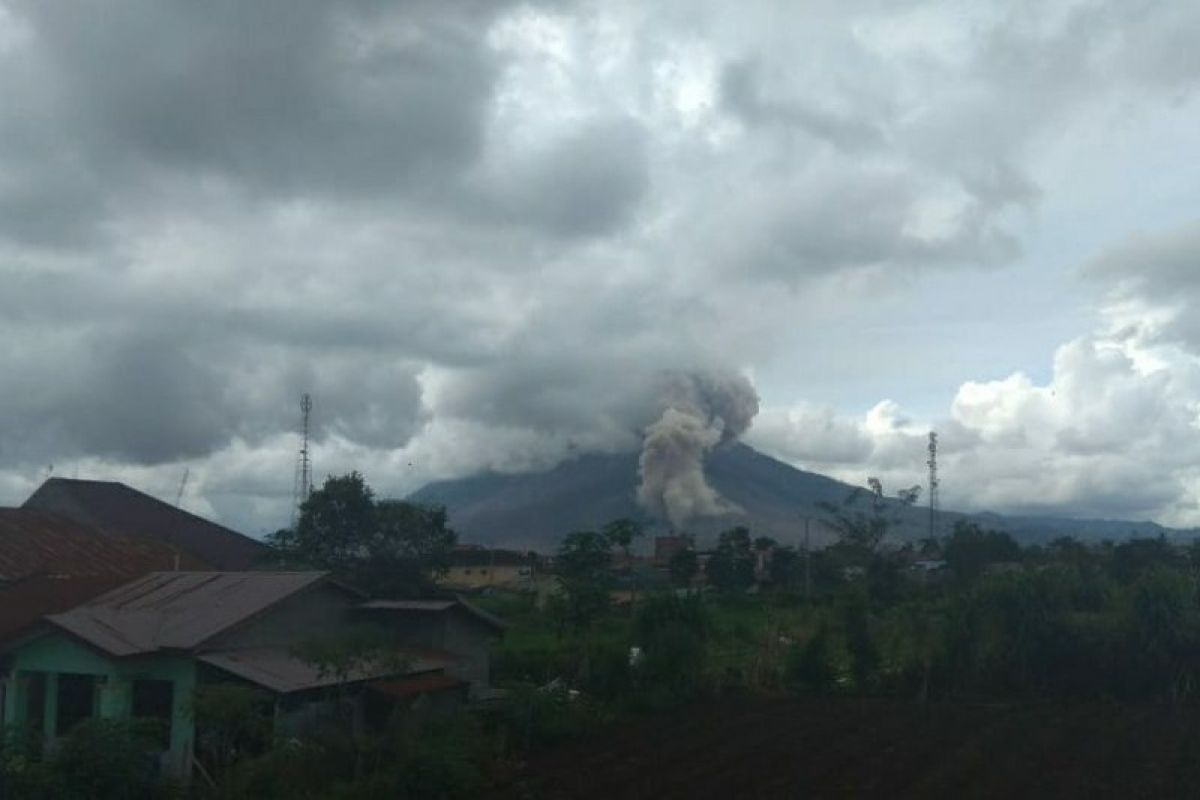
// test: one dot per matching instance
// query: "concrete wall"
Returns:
(57, 654)
(464, 635)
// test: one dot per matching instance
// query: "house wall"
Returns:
(455, 630)
(464, 635)
(57, 654)
(317, 613)
(478, 576)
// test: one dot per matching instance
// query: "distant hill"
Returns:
(535, 510)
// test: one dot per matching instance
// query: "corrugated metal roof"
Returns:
(434, 607)
(177, 610)
(34, 542)
(278, 670)
(125, 510)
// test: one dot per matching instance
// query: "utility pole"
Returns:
(807, 562)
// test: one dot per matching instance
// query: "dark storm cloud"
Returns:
(293, 96)
(478, 232)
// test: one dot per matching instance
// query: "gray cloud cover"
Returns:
(479, 233)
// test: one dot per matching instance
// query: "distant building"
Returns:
(117, 508)
(474, 568)
(667, 547)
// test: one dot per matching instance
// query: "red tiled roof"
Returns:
(119, 508)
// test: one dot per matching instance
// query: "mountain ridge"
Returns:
(535, 510)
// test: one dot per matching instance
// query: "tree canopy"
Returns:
(385, 547)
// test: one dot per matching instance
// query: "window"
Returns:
(153, 699)
(76, 701)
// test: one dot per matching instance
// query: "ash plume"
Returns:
(701, 411)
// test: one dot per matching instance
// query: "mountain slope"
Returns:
(535, 510)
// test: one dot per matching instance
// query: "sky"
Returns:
(480, 232)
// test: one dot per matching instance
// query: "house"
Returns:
(453, 626)
(115, 507)
(473, 568)
(144, 648)
(50, 563)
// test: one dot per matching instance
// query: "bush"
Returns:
(812, 666)
(99, 760)
(530, 716)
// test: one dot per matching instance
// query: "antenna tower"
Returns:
(302, 485)
(187, 473)
(933, 484)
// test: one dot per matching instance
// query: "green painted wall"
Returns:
(56, 653)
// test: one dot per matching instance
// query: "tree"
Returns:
(386, 547)
(970, 549)
(622, 533)
(787, 568)
(861, 532)
(731, 566)
(684, 566)
(583, 564)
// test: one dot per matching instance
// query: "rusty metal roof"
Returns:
(23, 603)
(117, 507)
(34, 542)
(435, 607)
(419, 684)
(177, 610)
(280, 671)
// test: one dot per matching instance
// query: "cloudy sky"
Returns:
(477, 231)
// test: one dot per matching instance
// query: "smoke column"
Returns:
(701, 412)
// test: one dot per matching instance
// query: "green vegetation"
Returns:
(972, 616)
(385, 547)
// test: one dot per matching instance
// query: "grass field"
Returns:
(837, 747)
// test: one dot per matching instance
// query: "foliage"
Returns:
(672, 635)
(386, 547)
(583, 564)
(531, 716)
(355, 649)
(811, 666)
(684, 566)
(232, 720)
(731, 566)
(862, 532)
(970, 549)
(98, 760)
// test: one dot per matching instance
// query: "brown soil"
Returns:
(836, 748)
